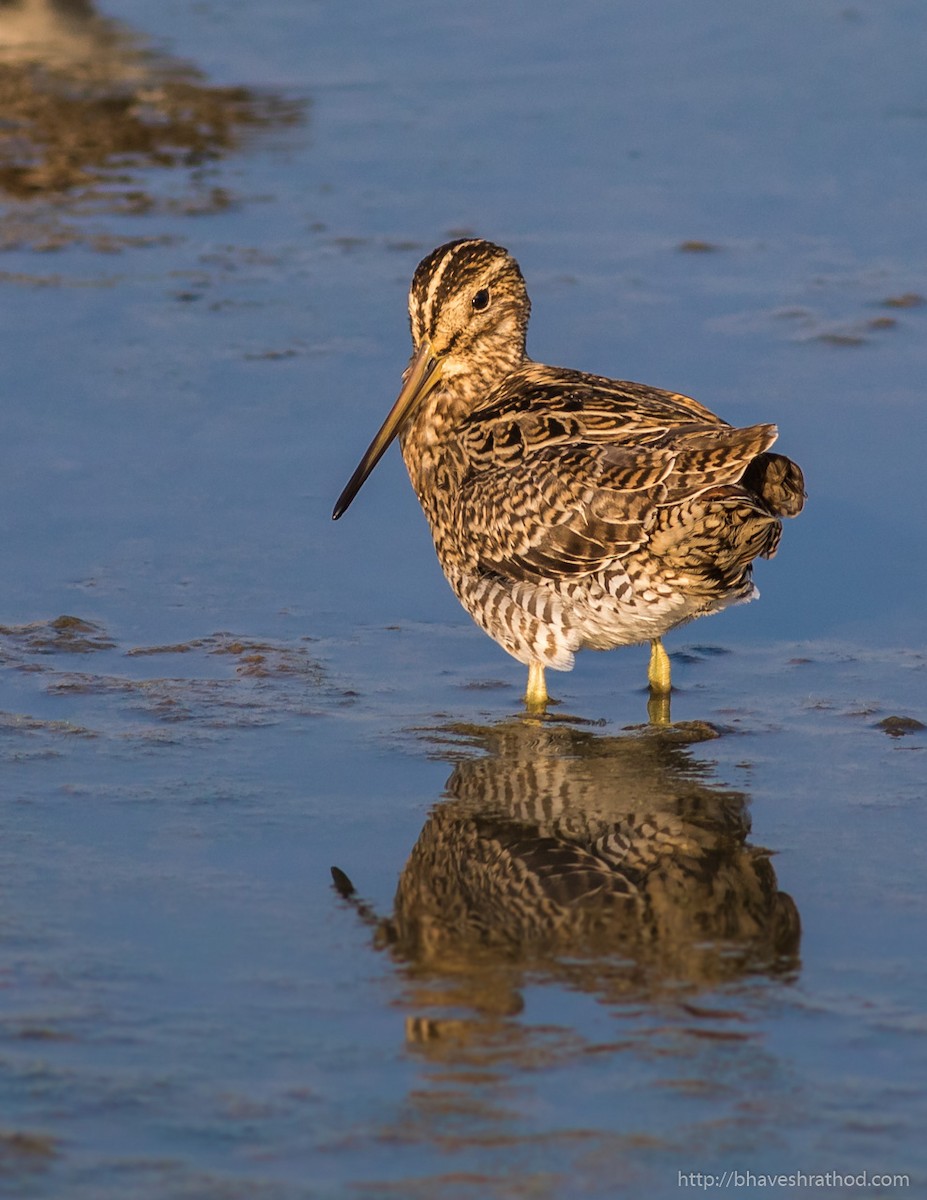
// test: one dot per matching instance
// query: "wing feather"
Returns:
(566, 472)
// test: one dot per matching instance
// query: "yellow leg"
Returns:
(659, 671)
(536, 695)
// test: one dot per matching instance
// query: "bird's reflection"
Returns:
(88, 103)
(611, 863)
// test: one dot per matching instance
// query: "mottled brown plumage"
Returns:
(561, 841)
(569, 510)
(560, 851)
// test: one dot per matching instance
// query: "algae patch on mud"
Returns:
(90, 108)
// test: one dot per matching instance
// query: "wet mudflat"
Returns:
(209, 694)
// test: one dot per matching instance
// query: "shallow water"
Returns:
(209, 694)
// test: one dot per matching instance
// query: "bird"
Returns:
(569, 510)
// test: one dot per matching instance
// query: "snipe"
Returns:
(569, 510)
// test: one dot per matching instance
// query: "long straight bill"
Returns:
(422, 374)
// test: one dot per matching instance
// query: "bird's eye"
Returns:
(481, 300)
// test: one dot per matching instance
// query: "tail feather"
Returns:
(778, 482)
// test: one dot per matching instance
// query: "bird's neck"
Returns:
(430, 443)
(434, 455)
